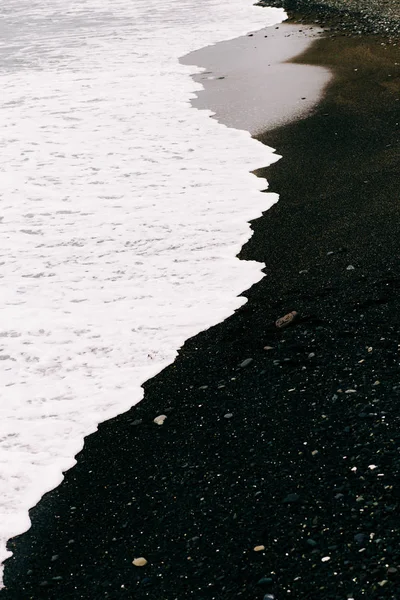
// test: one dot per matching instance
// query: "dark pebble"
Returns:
(360, 538)
(265, 581)
(246, 363)
(291, 499)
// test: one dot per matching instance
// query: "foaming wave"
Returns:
(122, 210)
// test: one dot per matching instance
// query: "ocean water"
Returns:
(121, 211)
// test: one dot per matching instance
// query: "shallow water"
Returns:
(122, 210)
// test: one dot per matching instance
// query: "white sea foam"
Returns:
(122, 210)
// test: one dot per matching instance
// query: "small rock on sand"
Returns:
(259, 548)
(286, 319)
(246, 363)
(160, 419)
(139, 562)
(291, 498)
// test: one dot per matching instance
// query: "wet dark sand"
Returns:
(308, 464)
(345, 16)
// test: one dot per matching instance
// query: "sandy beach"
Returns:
(276, 473)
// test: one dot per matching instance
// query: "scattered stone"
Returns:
(139, 562)
(265, 581)
(291, 498)
(268, 348)
(246, 363)
(160, 419)
(392, 570)
(137, 422)
(312, 543)
(269, 597)
(54, 557)
(325, 559)
(329, 253)
(259, 548)
(286, 320)
(203, 387)
(228, 416)
(360, 538)
(350, 268)
(311, 355)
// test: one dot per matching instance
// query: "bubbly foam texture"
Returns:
(122, 210)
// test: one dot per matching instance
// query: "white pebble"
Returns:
(139, 562)
(326, 558)
(160, 419)
(259, 548)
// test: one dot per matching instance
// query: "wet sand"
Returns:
(251, 83)
(295, 450)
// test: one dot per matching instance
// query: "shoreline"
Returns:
(252, 452)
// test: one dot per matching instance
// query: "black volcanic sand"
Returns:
(308, 464)
(345, 16)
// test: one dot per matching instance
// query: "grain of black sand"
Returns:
(308, 464)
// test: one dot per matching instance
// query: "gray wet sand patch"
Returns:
(249, 82)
